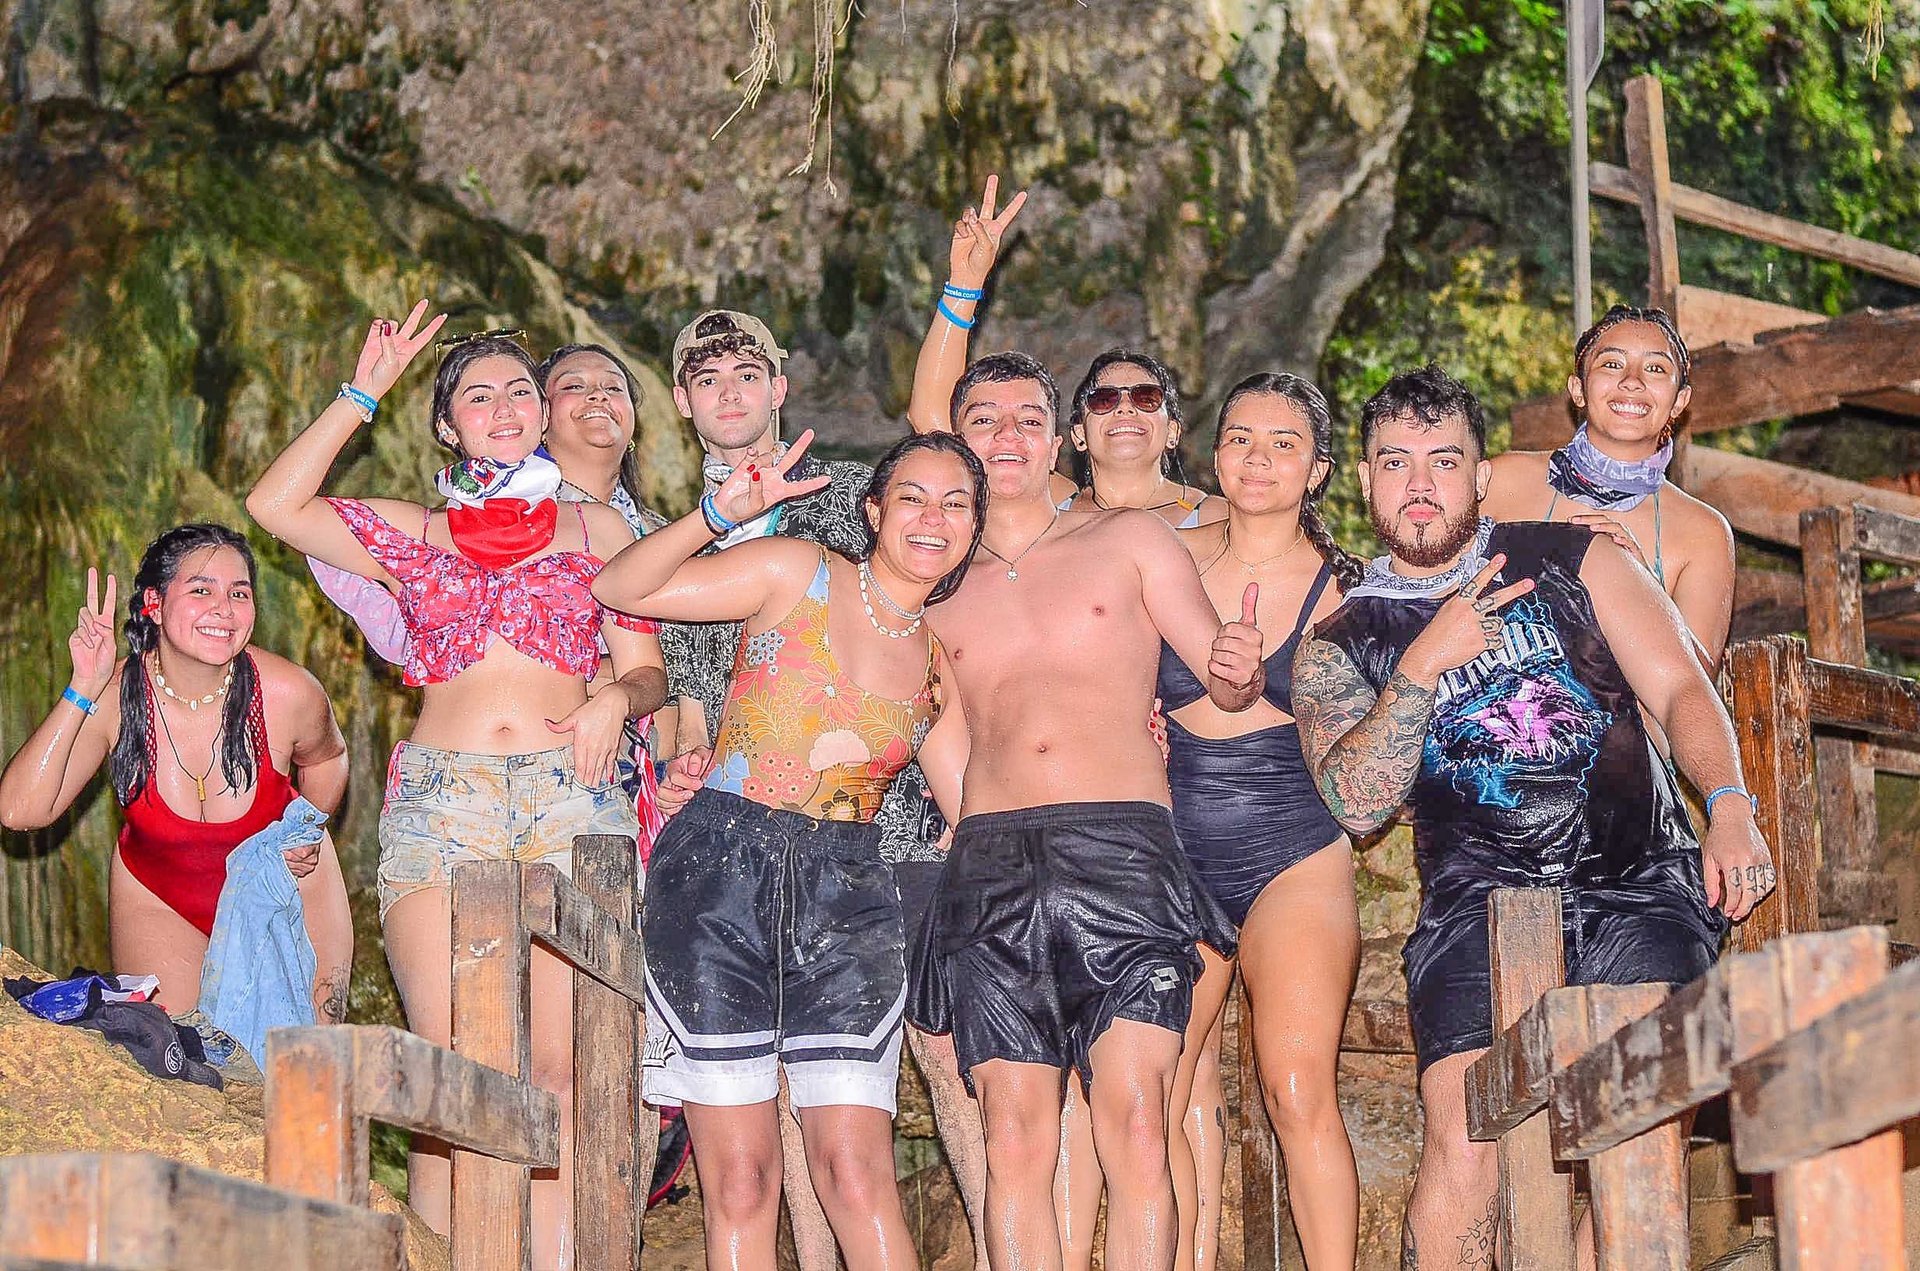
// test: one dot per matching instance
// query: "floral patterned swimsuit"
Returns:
(799, 735)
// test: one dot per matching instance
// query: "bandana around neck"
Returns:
(716, 471)
(501, 513)
(1582, 473)
(1380, 580)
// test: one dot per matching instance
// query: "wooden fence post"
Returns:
(492, 961)
(316, 1137)
(1527, 958)
(1837, 632)
(614, 1133)
(1640, 1187)
(1768, 702)
(1843, 1208)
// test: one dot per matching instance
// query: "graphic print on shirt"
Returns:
(1514, 709)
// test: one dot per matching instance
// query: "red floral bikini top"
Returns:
(453, 606)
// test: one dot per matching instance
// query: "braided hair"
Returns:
(240, 750)
(1312, 403)
(1676, 345)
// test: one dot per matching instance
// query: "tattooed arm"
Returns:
(1362, 748)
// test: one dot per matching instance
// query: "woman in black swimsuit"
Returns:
(1257, 833)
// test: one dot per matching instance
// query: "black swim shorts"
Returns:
(1052, 922)
(1654, 928)
(772, 939)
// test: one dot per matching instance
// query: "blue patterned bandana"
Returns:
(1582, 473)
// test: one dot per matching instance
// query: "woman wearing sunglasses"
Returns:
(509, 758)
(1125, 426)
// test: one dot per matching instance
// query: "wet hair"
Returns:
(945, 443)
(1312, 403)
(133, 754)
(1157, 371)
(1429, 395)
(716, 335)
(1583, 347)
(1005, 368)
(630, 461)
(453, 368)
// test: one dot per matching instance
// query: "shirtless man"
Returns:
(1063, 934)
(1495, 677)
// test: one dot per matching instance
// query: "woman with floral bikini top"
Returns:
(509, 758)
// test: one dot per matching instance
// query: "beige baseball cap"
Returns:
(718, 322)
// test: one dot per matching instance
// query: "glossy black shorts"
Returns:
(917, 881)
(1052, 922)
(1654, 929)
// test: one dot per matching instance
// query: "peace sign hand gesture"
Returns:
(389, 351)
(92, 642)
(977, 235)
(754, 487)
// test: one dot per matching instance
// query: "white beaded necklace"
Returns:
(192, 703)
(868, 580)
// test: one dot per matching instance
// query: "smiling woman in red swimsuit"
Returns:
(509, 758)
(206, 734)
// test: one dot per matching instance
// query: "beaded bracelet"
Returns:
(965, 324)
(961, 293)
(1751, 800)
(86, 704)
(366, 401)
(710, 513)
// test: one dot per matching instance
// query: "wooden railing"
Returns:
(1817, 1043)
(326, 1085)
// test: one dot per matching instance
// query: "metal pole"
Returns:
(1577, 79)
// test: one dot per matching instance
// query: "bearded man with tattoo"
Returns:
(1493, 676)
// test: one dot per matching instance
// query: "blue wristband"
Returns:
(366, 401)
(963, 323)
(710, 513)
(1752, 802)
(86, 704)
(961, 293)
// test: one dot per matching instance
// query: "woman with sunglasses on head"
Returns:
(210, 741)
(1630, 386)
(509, 758)
(774, 933)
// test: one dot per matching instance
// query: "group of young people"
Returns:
(1151, 717)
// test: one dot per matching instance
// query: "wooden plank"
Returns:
(492, 1201)
(561, 917)
(316, 1140)
(1843, 1207)
(1671, 1060)
(1886, 535)
(1768, 702)
(1901, 760)
(1837, 632)
(1526, 958)
(1262, 1216)
(1708, 317)
(1874, 702)
(1639, 1186)
(1646, 137)
(1765, 499)
(146, 1213)
(1509, 1083)
(612, 1152)
(1848, 1074)
(1701, 208)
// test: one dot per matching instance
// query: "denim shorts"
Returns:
(445, 806)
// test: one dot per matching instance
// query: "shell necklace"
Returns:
(868, 580)
(192, 703)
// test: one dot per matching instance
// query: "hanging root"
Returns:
(830, 18)
(760, 60)
(1875, 40)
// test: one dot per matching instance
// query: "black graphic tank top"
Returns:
(1538, 771)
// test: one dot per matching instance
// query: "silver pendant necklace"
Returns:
(1013, 574)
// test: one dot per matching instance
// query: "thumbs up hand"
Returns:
(1235, 665)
